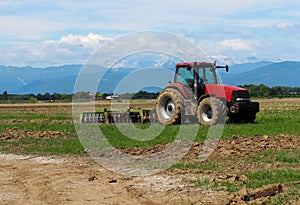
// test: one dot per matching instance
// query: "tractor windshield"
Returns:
(186, 76)
(207, 75)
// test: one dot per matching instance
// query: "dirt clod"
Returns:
(268, 190)
(18, 133)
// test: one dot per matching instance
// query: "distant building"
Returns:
(112, 97)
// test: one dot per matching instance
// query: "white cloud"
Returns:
(47, 17)
(91, 40)
(288, 25)
(29, 28)
(231, 60)
(70, 49)
(284, 25)
(249, 24)
(237, 45)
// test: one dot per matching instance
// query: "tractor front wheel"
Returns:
(243, 118)
(169, 107)
(211, 111)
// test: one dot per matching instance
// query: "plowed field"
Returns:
(263, 168)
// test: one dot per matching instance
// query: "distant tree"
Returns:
(66, 97)
(5, 96)
(56, 96)
(47, 96)
(139, 95)
(275, 91)
(32, 100)
(98, 96)
(263, 91)
(40, 96)
(83, 96)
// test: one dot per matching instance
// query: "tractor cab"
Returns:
(195, 76)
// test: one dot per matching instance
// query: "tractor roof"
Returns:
(185, 64)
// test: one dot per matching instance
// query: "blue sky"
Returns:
(53, 32)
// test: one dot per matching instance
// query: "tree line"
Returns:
(263, 91)
(35, 97)
(5, 96)
(258, 91)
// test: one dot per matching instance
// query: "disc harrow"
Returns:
(111, 116)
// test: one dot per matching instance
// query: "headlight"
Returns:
(242, 99)
(240, 95)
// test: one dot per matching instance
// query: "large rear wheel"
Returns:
(169, 107)
(211, 111)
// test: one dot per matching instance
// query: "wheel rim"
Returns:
(167, 108)
(206, 113)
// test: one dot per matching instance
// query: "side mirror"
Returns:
(189, 67)
(227, 68)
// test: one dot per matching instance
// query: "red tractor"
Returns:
(197, 95)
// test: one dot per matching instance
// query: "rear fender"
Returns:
(204, 96)
(185, 92)
(213, 96)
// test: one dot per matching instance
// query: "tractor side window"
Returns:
(185, 76)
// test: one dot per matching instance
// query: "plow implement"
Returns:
(110, 116)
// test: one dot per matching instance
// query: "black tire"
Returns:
(169, 107)
(250, 117)
(243, 118)
(211, 111)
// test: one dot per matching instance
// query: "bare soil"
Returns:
(80, 180)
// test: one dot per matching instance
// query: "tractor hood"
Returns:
(222, 91)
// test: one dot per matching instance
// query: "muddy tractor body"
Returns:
(197, 95)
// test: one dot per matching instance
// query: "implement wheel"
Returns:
(211, 111)
(169, 107)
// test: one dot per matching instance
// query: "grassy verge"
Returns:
(42, 146)
(268, 123)
(273, 122)
(282, 156)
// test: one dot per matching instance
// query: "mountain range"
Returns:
(285, 73)
(61, 79)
